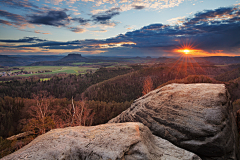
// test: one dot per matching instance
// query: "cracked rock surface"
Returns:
(120, 141)
(197, 117)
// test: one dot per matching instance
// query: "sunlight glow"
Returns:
(186, 51)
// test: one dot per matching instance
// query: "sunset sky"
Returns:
(120, 27)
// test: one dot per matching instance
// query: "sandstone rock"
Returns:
(121, 141)
(196, 117)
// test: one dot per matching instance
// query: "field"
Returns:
(97, 63)
(44, 70)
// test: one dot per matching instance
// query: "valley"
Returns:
(101, 89)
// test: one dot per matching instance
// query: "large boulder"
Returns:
(121, 141)
(196, 117)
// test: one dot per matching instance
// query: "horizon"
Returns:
(197, 28)
(119, 56)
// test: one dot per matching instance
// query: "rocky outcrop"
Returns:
(196, 117)
(20, 135)
(121, 141)
(73, 58)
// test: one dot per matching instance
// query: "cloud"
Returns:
(24, 40)
(64, 47)
(138, 7)
(5, 22)
(126, 5)
(208, 31)
(176, 20)
(12, 17)
(77, 29)
(101, 17)
(20, 4)
(51, 43)
(214, 16)
(40, 32)
(82, 21)
(104, 17)
(52, 18)
(101, 30)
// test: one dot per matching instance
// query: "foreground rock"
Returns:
(196, 117)
(122, 141)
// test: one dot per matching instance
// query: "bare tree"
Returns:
(83, 116)
(147, 85)
(41, 114)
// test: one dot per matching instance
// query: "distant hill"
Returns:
(19, 60)
(10, 61)
(230, 75)
(73, 58)
(221, 60)
(129, 86)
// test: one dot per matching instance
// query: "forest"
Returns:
(33, 107)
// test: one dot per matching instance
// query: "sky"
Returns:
(120, 27)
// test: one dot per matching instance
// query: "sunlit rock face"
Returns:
(120, 141)
(196, 117)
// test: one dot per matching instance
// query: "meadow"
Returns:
(53, 70)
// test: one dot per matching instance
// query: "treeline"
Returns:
(233, 87)
(60, 86)
(20, 114)
(230, 75)
(130, 86)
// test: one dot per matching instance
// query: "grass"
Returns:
(97, 63)
(80, 63)
(54, 69)
(44, 79)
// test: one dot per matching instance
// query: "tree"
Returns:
(82, 115)
(147, 85)
(42, 114)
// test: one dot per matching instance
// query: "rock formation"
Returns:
(121, 141)
(196, 117)
(73, 57)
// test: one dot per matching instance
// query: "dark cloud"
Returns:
(19, 4)
(82, 21)
(11, 16)
(52, 18)
(24, 40)
(104, 18)
(138, 7)
(204, 17)
(51, 43)
(77, 30)
(5, 22)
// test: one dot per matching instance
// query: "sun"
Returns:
(186, 51)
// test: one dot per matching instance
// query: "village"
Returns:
(9, 73)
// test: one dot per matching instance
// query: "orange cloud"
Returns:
(40, 32)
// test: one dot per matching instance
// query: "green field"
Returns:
(54, 70)
(97, 63)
